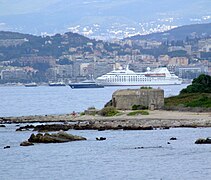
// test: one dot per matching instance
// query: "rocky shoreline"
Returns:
(155, 119)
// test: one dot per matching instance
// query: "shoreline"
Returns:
(155, 119)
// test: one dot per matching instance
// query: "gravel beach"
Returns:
(157, 118)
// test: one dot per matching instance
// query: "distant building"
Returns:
(188, 49)
(14, 75)
(179, 61)
(146, 44)
(84, 69)
(60, 72)
(191, 72)
(142, 67)
(204, 44)
(126, 99)
(206, 48)
(31, 60)
(164, 60)
(146, 58)
(176, 48)
(103, 68)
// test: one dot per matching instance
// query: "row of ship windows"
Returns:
(123, 79)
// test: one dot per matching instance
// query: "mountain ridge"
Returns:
(143, 16)
(179, 33)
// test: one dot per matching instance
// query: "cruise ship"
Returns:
(127, 77)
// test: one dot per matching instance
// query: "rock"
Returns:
(22, 129)
(1, 125)
(25, 128)
(203, 141)
(52, 127)
(101, 129)
(168, 143)
(139, 147)
(165, 127)
(6, 147)
(173, 138)
(26, 143)
(69, 137)
(137, 128)
(100, 139)
(150, 147)
(59, 137)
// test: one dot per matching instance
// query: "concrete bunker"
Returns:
(150, 98)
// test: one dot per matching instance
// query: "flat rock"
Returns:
(59, 137)
(52, 127)
(6, 147)
(100, 138)
(26, 143)
(203, 141)
(25, 128)
(173, 139)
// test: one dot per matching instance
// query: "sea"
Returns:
(124, 155)
(45, 100)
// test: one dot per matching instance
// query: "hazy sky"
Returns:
(51, 15)
(14, 7)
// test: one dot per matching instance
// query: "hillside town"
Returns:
(71, 57)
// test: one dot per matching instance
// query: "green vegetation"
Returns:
(91, 108)
(138, 112)
(202, 84)
(145, 87)
(82, 113)
(108, 111)
(93, 113)
(179, 53)
(189, 100)
(139, 107)
(119, 114)
(196, 95)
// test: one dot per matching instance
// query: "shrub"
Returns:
(202, 84)
(139, 112)
(139, 107)
(200, 100)
(109, 103)
(82, 113)
(108, 111)
(145, 87)
(91, 108)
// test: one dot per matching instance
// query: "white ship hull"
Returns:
(141, 83)
(160, 76)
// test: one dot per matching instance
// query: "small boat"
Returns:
(31, 84)
(57, 84)
(86, 84)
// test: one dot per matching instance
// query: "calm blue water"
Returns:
(41, 100)
(115, 159)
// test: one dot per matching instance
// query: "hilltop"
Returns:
(16, 45)
(180, 33)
